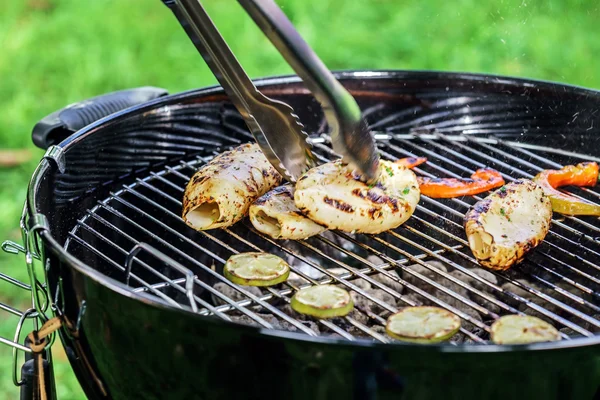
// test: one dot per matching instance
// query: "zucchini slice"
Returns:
(423, 324)
(256, 269)
(322, 301)
(521, 329)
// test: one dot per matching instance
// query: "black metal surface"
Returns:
(170, 355)
(225, 359)
(29, 388)
(27, 376)
(147, 211)
(62, 123)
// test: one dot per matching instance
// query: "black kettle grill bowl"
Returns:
(131, 345)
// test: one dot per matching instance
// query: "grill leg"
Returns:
(28, 376)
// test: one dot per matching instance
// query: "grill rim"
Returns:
(45, 167)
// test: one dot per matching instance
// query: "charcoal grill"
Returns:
(147, 312)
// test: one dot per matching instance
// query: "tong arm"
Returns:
(215, 52)
(273, 123)
(349, 132)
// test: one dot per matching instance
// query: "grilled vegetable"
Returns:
(220, 193)
(256, 269)
(583, 174)
(322, 301)
(336, 198)
(520, 329)
(423, 324)
(506, 225)
(411, 162)
(275, 214)
(482, 180)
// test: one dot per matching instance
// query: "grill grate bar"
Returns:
(552, 150)
(432, 243)
(337, 278)
(274, 310)
(176, 172)
(516, 283)
(464, 242)
(458, 239)
(160, 285)
(529, 176)
(570, 295)
(355, 272)
(525, 174)
(355, 323)
(85, 244)
(571, 310)
(416, 289)
(551, 163)
(148, 287)
(405, 283)
(328, 280)
(562, 263)
(162, 276)
(321, 269)
(457, 213)
(273, 292)
(294, 288)
(324, 271)
(466, 205)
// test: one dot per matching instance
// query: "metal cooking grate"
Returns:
(137, 236)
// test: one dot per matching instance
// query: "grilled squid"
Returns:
(509, 223)
(333, 196)
(275, 214)
(220, 193)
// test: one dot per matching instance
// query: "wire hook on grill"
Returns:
(189, 275)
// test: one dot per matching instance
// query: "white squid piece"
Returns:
(220, 193)
(275, 214)
(508, 224)
(333, 196)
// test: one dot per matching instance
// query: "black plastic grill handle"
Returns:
(62, 123)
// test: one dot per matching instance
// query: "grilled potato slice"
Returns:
(521, 329)
(275, 214)
(506, 225)
(220, 193)
(334, 197)
(256, 269)
(322, 301)
(423, 324)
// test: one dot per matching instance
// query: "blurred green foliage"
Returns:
(55, 52)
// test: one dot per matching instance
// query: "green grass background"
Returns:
(55, 52)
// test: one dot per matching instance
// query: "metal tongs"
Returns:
(277, 130)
